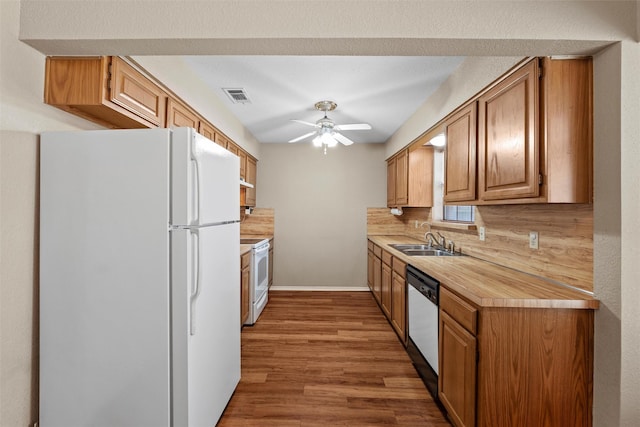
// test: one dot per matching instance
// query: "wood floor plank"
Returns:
(327, 359)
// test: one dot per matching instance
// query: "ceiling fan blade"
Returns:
(305, 123)
(353, 126)
(343, 139)
(300, 138)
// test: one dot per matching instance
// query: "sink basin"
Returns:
(423, 250)
(413, 247)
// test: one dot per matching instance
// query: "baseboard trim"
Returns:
(275, 288)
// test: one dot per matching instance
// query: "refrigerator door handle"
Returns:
(196, 190)
(195, 289)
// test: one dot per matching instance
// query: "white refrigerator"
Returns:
(139, 278)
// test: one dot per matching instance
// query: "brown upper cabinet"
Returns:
(243, 164)
(232, 147)
(206, 129)
(251, 172)
(179, 115)
(391, 182)
(460, 155)
(220, 139)
(400, 179)
(111, 92)
(410, 177)
(105, 90)
(509, 145)
(535, 139)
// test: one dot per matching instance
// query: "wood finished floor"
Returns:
(327, 359)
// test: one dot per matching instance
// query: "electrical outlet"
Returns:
(416, 223)
(481, 234)
(533, 239)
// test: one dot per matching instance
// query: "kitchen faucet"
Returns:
(429, 237)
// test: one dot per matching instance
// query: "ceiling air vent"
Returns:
(237, 95)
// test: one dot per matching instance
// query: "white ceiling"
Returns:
(382, 91)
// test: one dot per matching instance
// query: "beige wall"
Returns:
(320, 204)
(22, 117)
(630, 235)
(462, 28)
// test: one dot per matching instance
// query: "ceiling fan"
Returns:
(326, 132)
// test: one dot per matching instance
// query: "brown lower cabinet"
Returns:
(507, 366)
(385, 285)
(245, 281)
(386, 280)
(399, 300)
(270, 274)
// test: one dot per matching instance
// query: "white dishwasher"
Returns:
(423, 291)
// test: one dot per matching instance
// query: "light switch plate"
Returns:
(481, 234)
(533, 239)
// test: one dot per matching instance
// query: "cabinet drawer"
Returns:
(245, 260)
(377, 251)
(399, 266)
(463, 312)
(370, 245)
(386, 258)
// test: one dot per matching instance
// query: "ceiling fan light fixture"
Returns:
(329, 140)
(438, 140)
(327, 133)
(325, 106)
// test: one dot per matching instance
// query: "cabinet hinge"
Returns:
(539, 179)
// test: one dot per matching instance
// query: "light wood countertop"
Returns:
(487, 284)
(244, 249)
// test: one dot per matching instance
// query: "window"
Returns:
(459, 213)
(440, 210)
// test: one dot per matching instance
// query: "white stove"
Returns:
(259, 282)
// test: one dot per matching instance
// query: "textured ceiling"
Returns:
(381, 91)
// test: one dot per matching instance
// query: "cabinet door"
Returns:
(457, 371)
(130, 89)
(399, 305)
(370, 258)
(391, 182)
(243, 164)
(252, 168)
(179, 115)
(271, 263)
(420, 177)
(206, 130)
(245, 280)
(232, 147)
(460, 155)
(402, 178)
(508, 148)
(385, 290)
(220, 140)
(377, 278)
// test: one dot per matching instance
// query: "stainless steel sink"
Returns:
(422, 250)
(413, 247)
